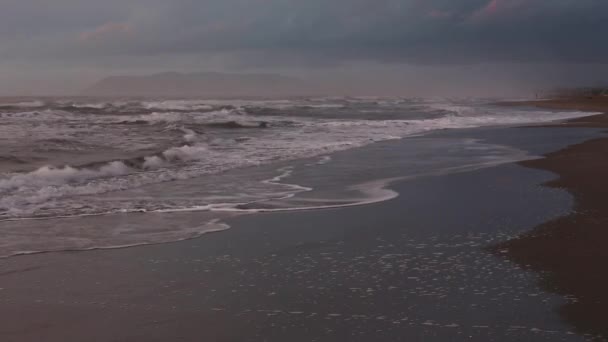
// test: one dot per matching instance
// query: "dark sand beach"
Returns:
(571, 251)
(489, 254)
(585, 103)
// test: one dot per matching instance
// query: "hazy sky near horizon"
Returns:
(63, 45)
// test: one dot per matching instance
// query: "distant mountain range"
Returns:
(200, 84)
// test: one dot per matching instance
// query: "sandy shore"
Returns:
(571, 251)
(589, 104)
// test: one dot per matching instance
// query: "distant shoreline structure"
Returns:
(578, 92)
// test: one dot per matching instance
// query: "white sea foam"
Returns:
(371, 192)
(82, 233)
(186, 153)
(39, 115)
(170, 117)
(26, 104)
(324, 160)
(322, 105)
(153, 162)
(48, 175)
(100, 105)
(154, 118)
(189, 135)
(185, 105)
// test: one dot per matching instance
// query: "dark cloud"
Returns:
(415, 31)
(314, 33)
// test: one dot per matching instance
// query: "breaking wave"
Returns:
(25, 104)
(48, 175)
(184, 139)
(182, 105)
(183, 162)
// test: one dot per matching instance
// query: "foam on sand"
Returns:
(80, 233)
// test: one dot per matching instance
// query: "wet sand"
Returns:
(587, 104)
(571, 252)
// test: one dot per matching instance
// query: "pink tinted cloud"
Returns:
(439, 14)
(496, 7)
(106, 30)
(492, 7)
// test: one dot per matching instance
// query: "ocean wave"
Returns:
(23, 192)
(180, 105)
(101, 105)
(37, 115)
(182, 145)
(146, 225)
(12, 159)
(152, 118)
(208, 117)
(25, 104)
(236, 124)
(185, 153)
(48, 175)
(190, 136)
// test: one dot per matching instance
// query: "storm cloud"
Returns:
(123, 35)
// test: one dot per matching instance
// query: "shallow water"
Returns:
(413, 268)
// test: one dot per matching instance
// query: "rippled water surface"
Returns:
(124, 172)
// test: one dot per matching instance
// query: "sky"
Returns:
(414, 46)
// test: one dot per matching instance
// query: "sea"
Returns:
(93, 173)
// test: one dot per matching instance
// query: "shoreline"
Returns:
(410, 269)
(570, 252)
(413, 268)
(586, 104)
